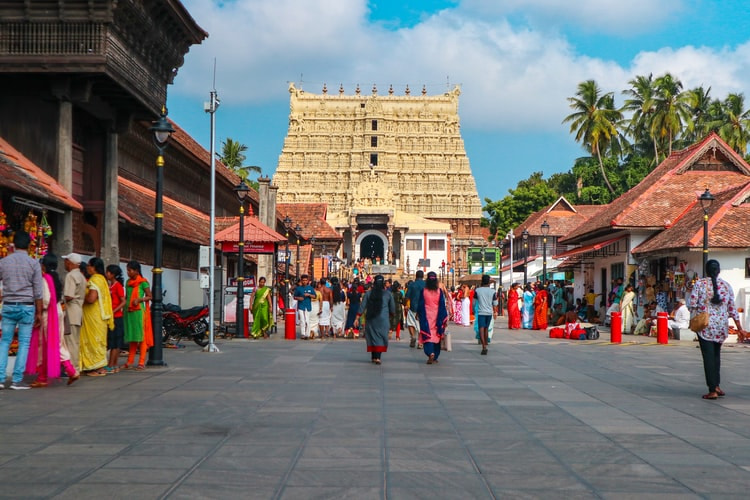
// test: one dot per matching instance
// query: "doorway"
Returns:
(372, 247)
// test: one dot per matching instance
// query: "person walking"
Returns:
(138, 331)
(627, 310)
(413, 295)
(486, 300)
(514, 312)
(97, 320)
(398, 299)
(48, 349)
(378, 307)
(326, 304)
(433, 317)
(528, 307)
(261, 309)
(338, 311)
(304, 294)
(74, 291)
(715, 296)
(541, 309)
(22, 306)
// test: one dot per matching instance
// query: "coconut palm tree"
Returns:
(233, 156)
(594, 121)
(736, 128)
(672, 111)
(701, 111)
(642, 105)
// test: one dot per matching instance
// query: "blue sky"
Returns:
(516, 62)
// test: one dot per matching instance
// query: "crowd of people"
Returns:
(74, 327)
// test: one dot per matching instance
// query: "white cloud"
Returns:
(512, 78)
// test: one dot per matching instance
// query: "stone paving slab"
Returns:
(276, 419)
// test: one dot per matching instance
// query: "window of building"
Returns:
(374, 141)
(374, 125)
(374, 160)
(413, 244)
(436, 245)
(617, 270)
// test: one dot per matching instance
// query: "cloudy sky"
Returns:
(516, 62)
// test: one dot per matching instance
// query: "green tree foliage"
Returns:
(525, 199)
(233, 157)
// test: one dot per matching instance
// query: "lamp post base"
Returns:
(211, 348)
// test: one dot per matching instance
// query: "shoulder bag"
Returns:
(699, 322)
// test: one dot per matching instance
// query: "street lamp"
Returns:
(453, 273)
(545, 232)
(525, 238)
(162, 129)
(500, 244)
(287, 227)
(297, 230)
(326, 266)
(241, 190)
(312, 256)
(706, 200)
(459, 266)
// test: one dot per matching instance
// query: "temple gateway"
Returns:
(392, 170)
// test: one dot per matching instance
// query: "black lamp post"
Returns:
(162, 129)
(241, 190)
(297, 230)
(459, 266)
(312, 257)
(545, 232)
(453, 273)
(525, 238)
(287, 226)
(706, 200)
(500, 244)
(482, 258)
(326, 269)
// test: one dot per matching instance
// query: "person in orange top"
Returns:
(138, 331)
(541, 309)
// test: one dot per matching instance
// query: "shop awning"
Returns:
(589, 248)
(21, 175)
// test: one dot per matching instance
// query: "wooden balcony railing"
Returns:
(52, 39)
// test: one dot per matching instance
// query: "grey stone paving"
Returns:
(536, 418)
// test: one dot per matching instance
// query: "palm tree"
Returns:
(593, 121)
(642, 104)
(736, 129)
(701, 111)
(672, 113)
(233, 156)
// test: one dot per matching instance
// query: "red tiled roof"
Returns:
(561, 216)
(19, 174)
(312, 219)
(727, 225)
(255, 231)
(660, 199)
(136, 206)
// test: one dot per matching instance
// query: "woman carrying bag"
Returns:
(714, 296)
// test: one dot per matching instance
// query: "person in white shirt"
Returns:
(680, 317)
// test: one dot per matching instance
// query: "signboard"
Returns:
(490, 257)
(423, 263)
(250, 247)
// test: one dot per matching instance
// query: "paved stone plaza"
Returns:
(536, 418)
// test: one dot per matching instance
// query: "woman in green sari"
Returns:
(261, 309)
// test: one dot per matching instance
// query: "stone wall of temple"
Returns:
(402, 152)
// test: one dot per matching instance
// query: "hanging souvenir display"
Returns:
(4, 240)
(30, 226)
(43, 233)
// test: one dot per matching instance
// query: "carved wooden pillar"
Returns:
(110, 250)
(65, 171)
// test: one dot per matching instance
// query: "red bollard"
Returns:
(290, 324)
(662, 328)
(616, 328)
(246, 323)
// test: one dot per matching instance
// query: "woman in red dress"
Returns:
(541, 309)
(514, 313)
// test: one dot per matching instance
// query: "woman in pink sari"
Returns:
(47, 350)
(433, 317)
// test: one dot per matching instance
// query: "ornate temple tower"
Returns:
(386, 165)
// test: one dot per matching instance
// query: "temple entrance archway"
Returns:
(372, 245)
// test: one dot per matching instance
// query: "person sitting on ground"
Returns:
(680, 318)
(558, 318)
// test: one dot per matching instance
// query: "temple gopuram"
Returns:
(392, 170)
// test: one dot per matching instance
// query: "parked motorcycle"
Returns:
(184, 323)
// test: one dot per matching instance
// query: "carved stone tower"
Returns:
(379, 160)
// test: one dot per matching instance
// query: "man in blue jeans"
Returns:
(486, 299)
(22, 306)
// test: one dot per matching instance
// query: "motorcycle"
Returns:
(184, 323)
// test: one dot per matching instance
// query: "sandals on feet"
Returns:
(140, 368)
(720, 393)
(710, 395)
